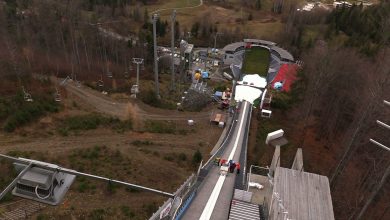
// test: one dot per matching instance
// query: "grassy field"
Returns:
(264, 24)
(256, 61)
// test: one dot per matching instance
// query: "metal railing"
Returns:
(187, 192)
(172, 206)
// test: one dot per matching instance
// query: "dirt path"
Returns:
(188, 7)
(58, 144)
(132, 109)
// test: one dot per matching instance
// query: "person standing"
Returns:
(233, 166)
(238, 168)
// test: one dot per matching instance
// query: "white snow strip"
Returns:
(247, 93)
(253, 80)
(208, 209)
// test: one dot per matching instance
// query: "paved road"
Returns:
(214, 195)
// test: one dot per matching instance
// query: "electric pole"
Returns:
(154, 18)
(173, 49)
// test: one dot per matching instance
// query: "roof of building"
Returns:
(257, 41)
(303, 195)
(284, 54)
(233, 46)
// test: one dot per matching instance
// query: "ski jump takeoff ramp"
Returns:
(214, 195)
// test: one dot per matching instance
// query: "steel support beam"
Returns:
(383, 124)
(13, 183)
(379, 144)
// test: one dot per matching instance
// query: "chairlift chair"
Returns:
(57, 97)
(27, 96)
(100, 82)
(134, 89)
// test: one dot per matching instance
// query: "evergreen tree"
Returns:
(195, 29)
(197, 157)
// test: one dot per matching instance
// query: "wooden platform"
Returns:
(305, 196)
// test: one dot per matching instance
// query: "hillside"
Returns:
(95, 127)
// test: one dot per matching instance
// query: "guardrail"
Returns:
(188, 198)
(187, 201)
(187, 192)
(169, 209)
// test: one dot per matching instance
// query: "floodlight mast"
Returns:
(32, 163)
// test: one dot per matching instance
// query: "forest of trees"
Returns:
(54, 36)
(367, 29)
(342, 85)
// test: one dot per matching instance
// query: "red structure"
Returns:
(287, 75)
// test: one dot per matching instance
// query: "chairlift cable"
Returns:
(77, 173)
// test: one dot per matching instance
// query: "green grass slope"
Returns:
(256, 61)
